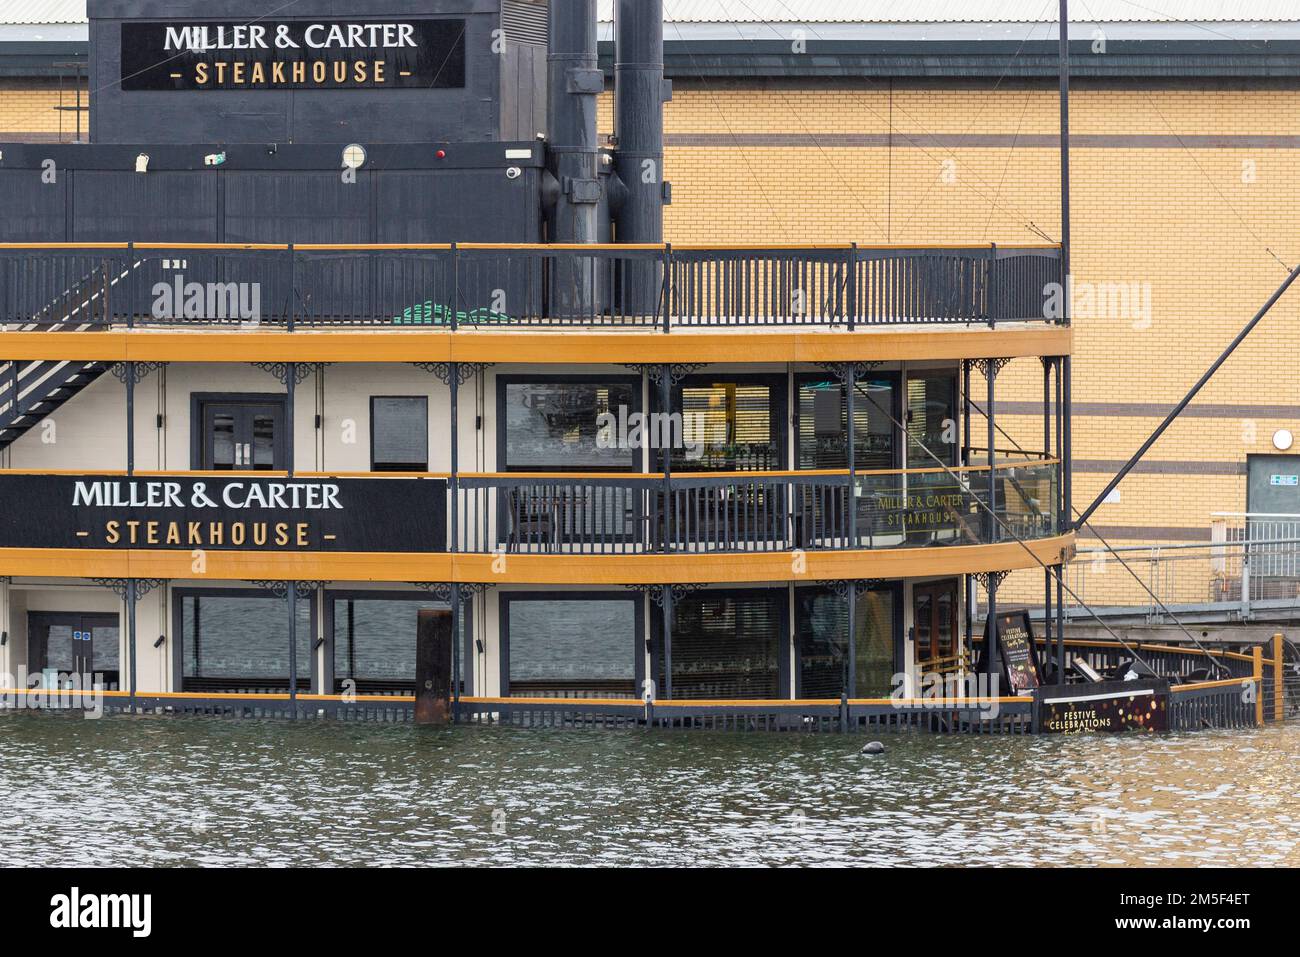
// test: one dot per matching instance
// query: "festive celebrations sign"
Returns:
(1017, 651)
(238, 513)
(1141, 705)
(294, 55)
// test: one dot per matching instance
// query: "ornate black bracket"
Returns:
(464, 370)
(655, 370)
(122, 370)
(441, 591)
(120, 585)
(280, 589)
(842, 370)
(989, 578)
(656, 592)
(989, 367)
(840, 586)
(280, 370)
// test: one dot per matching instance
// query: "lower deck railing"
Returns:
(1218, 704)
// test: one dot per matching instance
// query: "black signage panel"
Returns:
(1106, 706)
(1019, 654)
(223, 514)
(294, 55)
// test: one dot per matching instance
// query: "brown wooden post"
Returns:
(433, 668)
(1279, 702)
(1257, 653)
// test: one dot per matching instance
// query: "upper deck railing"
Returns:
(646, 287)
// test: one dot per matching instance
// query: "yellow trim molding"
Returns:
(742, 344)
(515, 569)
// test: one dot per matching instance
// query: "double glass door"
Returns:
(80, 643)
(241, 435)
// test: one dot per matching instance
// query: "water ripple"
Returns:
(195, 791)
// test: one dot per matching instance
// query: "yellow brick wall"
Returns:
(28, 106)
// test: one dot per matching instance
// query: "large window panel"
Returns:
(732, 424)
(241, 642)
(375, 639)
(932, 418)
(552, 425)
(823, 423)
(821, 630)
(729, 645)
(572, 645)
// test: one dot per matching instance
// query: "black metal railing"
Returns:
(545, 286)
(572, 513)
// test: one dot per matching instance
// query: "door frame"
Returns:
(958, 611)
(199, 402)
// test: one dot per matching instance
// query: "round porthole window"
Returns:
(354, 156)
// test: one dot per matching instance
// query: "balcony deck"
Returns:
(608, 287)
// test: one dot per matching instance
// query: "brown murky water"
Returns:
(196, 791)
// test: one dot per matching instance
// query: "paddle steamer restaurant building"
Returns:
(315, 334)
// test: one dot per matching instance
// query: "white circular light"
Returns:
(354, 156)
(1282, 439)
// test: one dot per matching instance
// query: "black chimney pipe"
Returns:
(640, 93)
(574, 81)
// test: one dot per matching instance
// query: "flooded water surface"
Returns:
(199, 791)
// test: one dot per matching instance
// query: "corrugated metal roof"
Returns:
(972, 11)
(42, 11)
(859, 11)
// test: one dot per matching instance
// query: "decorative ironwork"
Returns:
(840, 586)
(277, 588)
(677, 371)
(280, 589)
(442, 370)
(280, 370)
(122, 370)
(656, 592)
(118, 585)
(841, 370)
(989, 367)
(441, 591)
(987, 578)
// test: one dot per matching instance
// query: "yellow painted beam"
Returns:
(536, 347)
(513, 569)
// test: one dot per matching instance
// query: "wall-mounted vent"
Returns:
(524, 21)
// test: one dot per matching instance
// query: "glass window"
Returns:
(579, 645)
(823, 424)
(375, 640)
(243, 641)
(821, 623)
(728, 645)
(399, 433)
(556, 426)
(932, 418)
(731, 426)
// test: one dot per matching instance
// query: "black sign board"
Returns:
(223, 514)
(1141, 705)
(1019, 654)
(294, 55)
